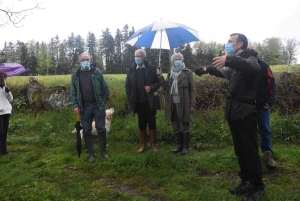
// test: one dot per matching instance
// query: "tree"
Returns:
(108, 49)
(53, 48)
(128, 50)
(272, 51)
(71, 51)
(91, 45)
(14, 17)
(44, 60)
(292, 46)
(118, 51)
(63, 65)
(205, 52)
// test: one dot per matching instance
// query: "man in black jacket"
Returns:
(240, 67)
(141, 90)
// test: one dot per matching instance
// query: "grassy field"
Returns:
(44, 165)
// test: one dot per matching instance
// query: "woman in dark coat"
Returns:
(180, 101)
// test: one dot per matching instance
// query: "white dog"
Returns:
(108, 119)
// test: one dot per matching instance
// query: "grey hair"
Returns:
(143, 52)
(83, 54)
(177, 55)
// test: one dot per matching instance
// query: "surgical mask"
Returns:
(178, 63)
(85, 65)
(138, 60)
(229, 48)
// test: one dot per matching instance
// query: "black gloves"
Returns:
(6, 89)
(200, 71)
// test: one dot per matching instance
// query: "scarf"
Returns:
(175, 72)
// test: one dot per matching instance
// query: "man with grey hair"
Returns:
(141, 91)
(89, 93)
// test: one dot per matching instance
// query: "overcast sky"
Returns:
(214, 20)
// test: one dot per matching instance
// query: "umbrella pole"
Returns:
(160, 49)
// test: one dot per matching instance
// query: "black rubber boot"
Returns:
(102, 142)
(89, 145)
(186, 143)
(179, 143)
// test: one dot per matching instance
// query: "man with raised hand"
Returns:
(240, 67)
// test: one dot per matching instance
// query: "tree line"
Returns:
(112, 55)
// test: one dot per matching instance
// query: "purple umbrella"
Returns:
(12, 69)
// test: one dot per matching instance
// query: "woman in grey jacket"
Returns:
(5, 110)
(180, 101)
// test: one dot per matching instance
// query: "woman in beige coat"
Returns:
(180, 101)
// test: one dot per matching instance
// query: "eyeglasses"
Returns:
(85, 60)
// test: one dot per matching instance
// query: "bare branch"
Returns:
(16, 17)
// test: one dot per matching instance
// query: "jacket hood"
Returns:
(247, 53)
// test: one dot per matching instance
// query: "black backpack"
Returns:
(261, 87)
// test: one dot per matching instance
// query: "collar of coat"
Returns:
(93, 69)
(246, 53)
(146, 64)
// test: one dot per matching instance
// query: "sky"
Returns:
(214, 20)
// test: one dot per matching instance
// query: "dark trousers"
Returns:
(4, 122)
(183, 127)
(244, 136)
(89, 113)
(146, 116)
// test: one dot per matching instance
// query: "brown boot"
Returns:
(153, 140)
(143, 137)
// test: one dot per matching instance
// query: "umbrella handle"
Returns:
(78, 117)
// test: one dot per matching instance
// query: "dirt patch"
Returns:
(130, 190)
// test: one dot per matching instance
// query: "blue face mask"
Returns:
(229, 48)
(85, 65)
(178, 63)
(138, 60)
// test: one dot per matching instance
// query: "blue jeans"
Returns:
(264, 130)
(89, 113)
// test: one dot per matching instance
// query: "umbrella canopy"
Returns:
(163, 35)
(12, 69)
(78, 139)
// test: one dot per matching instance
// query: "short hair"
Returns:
(241, 38)
(83, 54)
(143, 52)
(3, 74)
(177, 55)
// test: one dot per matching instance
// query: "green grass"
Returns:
(44, 164)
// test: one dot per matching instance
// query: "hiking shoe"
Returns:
(269, 160)
(253, 194)
(241, 189)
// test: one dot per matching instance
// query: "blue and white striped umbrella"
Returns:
(163, 35)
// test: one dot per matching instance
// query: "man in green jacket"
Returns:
(89, 94)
